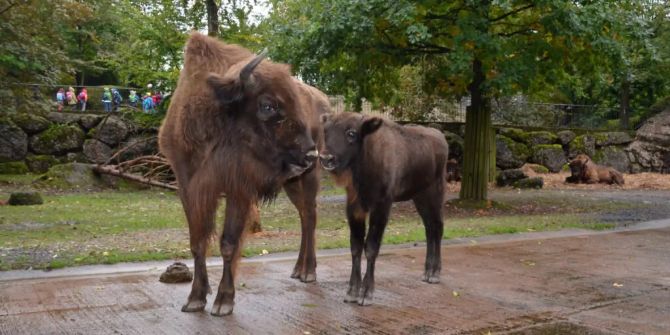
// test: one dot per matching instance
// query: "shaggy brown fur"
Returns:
(380, 162)
(244, 127)
(584, 170)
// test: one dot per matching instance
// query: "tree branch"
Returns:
(524, 31)
(11, 4)
(518, 10)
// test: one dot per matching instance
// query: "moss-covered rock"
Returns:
(58, 139)
(541, 137)
(510, 154)
(96, 151)
(582, 144)
(565, 136)
(40, 163)
(30, 123)
(613, 156)
(13, 141)
(148, 145)
(534, 182)
(549, 155)
(64, 118)
(70, 176)
(515, 134)
(25, 199)
(455, 145)
(13, 168)
(612, 138)
(508, 177)
(111, 131)
(89, 121)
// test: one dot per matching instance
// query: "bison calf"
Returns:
(380, 162)
(584, 170)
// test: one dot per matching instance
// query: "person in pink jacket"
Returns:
(83, 98)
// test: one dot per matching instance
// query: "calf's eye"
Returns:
(351, 135)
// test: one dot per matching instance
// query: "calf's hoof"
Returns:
(431, 278)
(351, 298)
(222, 309)
(365, 301)
(308, 278)
(194, 306)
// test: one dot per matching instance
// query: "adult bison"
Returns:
(380, 162)
(243, 127)
(584, 170)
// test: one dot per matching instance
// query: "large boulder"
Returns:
(137, 146)
(58, 139)
(30, 123)
(515, 134)
(549, 155)
(40, 163)
(582, 144)
(613, 156)
(13, 168)
(70, 176)
(540, 137)
(63, 118)
(612, 138)
(111, 131)
(96, 151)
(13, 141)
(89, 121)
(455, 145)
(25, 199)
(509, 177)
(647, 156)
(565, 136)
(510, 154)
(656, 129)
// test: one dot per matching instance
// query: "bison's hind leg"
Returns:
(302, 193)
(429, 205)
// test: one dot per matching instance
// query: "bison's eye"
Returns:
(269, 111)
(351, 135)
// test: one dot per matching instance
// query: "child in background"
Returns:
(148, 104)
(116, 99)
(133, 98)
(107, 100)
(71, 98)
(83, 98)
(60, 99)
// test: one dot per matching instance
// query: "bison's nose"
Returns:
(311, 156)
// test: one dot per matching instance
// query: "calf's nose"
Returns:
(312, 155)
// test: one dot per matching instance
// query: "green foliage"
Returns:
(13, 168)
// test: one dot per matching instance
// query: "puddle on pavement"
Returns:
(561, 328)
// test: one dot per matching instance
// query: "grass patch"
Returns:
(72, 229)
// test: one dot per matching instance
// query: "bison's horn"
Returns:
(245, 74)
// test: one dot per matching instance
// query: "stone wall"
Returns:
(34, 143)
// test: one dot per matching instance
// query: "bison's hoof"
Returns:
(308, 278)
(222, 309)
(351, 298)
(365, 301)
(431, 279)
(194, 306)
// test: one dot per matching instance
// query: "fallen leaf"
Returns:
(264, 252)
(455, 294)
(617, 285)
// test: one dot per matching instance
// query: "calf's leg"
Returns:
(429, 205)
(356, 218)
(379, 216)
(237, 214)
(302, 193)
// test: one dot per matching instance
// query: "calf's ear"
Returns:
(226, 91)
(324, 118)
(370, 126)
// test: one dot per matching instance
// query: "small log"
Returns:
(115, 172)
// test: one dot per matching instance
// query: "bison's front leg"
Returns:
(379, 216)
(237, 213)
(356, 218)
(302, 192)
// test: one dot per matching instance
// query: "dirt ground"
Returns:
(548, 283)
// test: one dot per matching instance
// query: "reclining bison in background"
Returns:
(242, 127)
(584, 170)
(380, 162)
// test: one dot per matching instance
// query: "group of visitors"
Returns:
(69, 98)
(111, 99)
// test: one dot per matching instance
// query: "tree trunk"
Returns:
(492, 155)
(625, 104)
(212, 18)
(476, 153)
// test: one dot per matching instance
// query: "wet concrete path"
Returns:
(583, 283)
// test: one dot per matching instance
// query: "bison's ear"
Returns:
(370, 126)
(226, 91)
